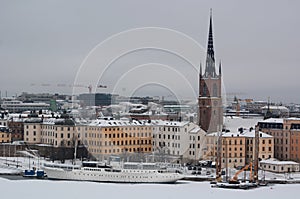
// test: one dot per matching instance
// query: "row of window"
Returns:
(4, 135)
(168, 144)
(119, 143)
(118, 135)
(118, 150)
(169, 137)
(270, 125)
(125, 128)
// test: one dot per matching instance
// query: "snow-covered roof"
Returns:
(245, 133)
(169, 123)
(277, 162)
(281, 108)
(234, 123)
(100, 122)
(252, 134)
(52, 120)
(292, 118)
(103, 122)
(195, 130)
(273, 120)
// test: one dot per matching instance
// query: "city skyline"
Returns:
(46, 43)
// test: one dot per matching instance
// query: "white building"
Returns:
(277, 166)
(181, 139)
(3, 122)
(15, 106)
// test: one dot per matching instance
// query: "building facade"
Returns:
(274, 165)
(238, 148)
(286, 133)
(181, 140)
(16, 106)
(17, 129)
(5, 134)
(210, 99)
(105, 137)
(52, 131)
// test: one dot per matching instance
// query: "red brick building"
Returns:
(210, 99)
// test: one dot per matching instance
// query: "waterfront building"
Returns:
(274, 165)
(60, 132)
(286, 133)
(182, 140)
(106, 137)
(5, 135)
(238, 147)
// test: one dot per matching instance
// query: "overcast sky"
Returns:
(46, 42)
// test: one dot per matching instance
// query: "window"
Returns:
(204, 90)
(215, 90)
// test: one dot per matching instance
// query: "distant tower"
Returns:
(210, 99)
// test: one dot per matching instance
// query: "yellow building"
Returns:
(5, 135)
(238, 148)
(286, 133)
(105, 137)
(52, 131)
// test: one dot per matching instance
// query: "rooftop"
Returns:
(277, 162)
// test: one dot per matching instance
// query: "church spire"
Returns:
(220, 68)
(210, 57)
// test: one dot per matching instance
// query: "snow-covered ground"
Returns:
(66, 189)
(71, 189)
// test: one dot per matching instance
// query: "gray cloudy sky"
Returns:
(46, 42)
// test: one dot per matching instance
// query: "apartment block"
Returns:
(183, 140)
(5, 134)
(286, 133)
(52, 131)
(107, 136)
(238, 148)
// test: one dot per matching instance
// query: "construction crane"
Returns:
(234, 179)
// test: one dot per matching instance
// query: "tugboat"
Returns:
(34, 173)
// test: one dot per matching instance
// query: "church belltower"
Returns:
(210, 113)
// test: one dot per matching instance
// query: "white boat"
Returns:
(98, 172)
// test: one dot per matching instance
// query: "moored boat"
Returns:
(99, 172)
(33, 173)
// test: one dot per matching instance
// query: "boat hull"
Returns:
(106, 175)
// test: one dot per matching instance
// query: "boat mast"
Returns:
(256, 153)
(219, 158)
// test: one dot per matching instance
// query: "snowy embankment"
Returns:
(68, 189)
